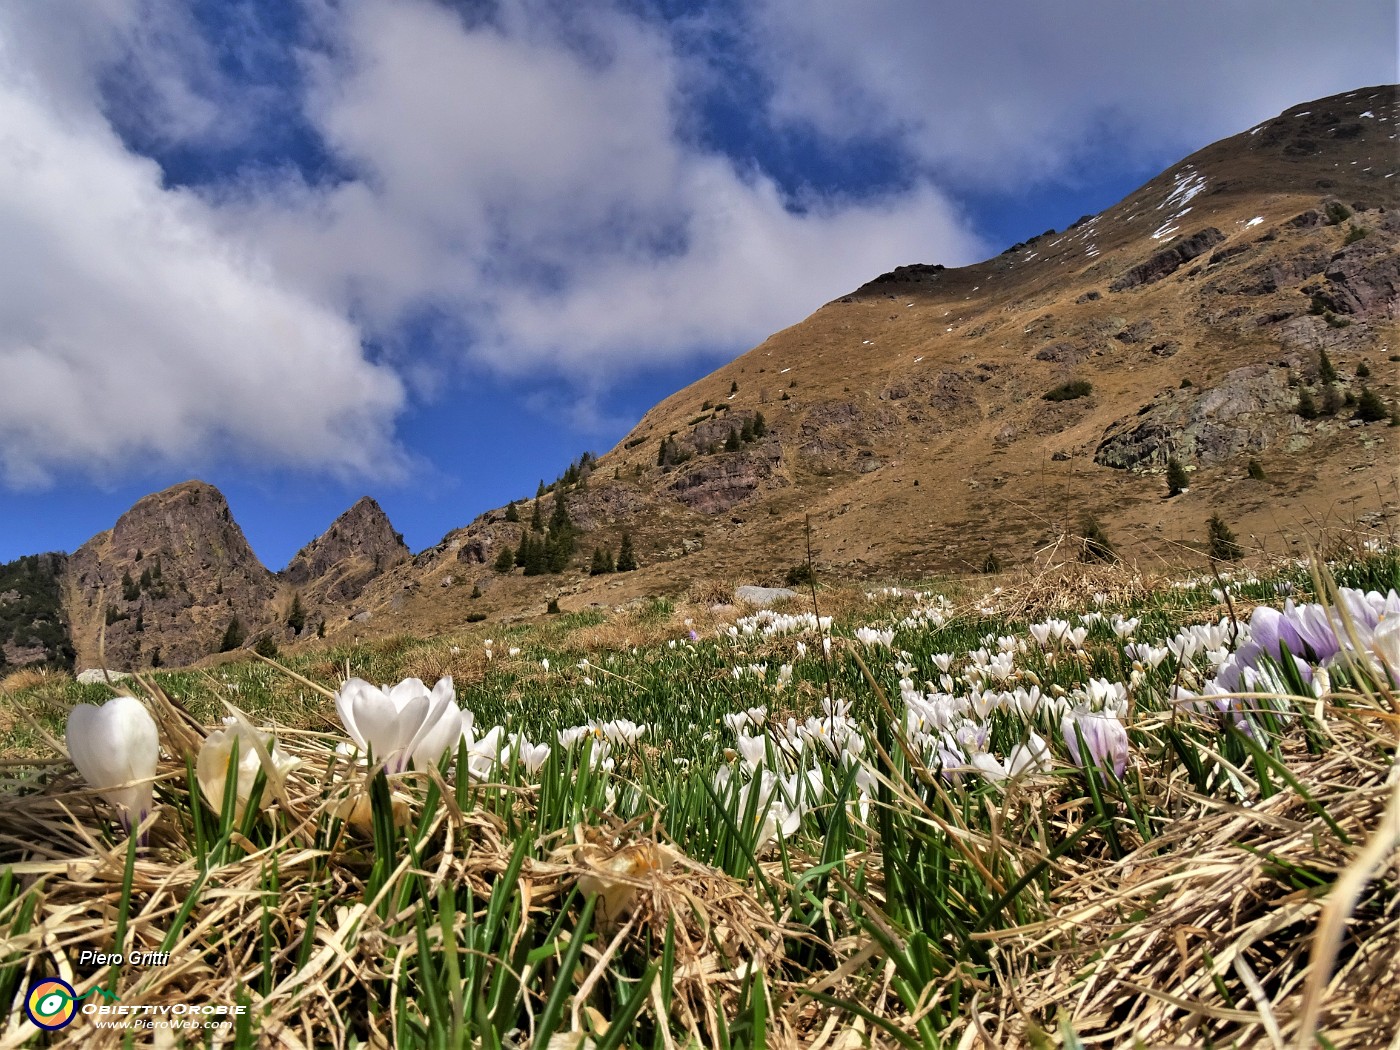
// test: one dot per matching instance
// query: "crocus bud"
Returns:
(116, 747)
(255, 750)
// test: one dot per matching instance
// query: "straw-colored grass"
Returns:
(1259, 915)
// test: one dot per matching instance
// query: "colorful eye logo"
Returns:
(52, 1004)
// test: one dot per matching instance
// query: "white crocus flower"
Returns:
(1032, 756)
(531, 756)
(255, 751)
(402, 724)
(116, 748)
(754, 750)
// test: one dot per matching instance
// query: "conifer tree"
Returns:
(626, 556)
(732, 444)
(746, 434)
(233, 636)
(559, 520)
(557, 549)
(1223, 545)
(512, 513)
(1096, 545)
(505, 560)
(1177, 481)
(760, 425)
(1325, 371)
(599, 565)
(1369, 407)
(535, 561)
(536, 522)
(1307, 407)
(296, 616)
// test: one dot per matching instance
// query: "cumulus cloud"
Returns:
(1029, 90)
(132, 331)
(530, 176)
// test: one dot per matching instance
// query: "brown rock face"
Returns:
(338, 565)
(165, 582)
(1169, 260)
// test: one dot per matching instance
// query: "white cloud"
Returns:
(529, 179)
(543, 193)
(1025, 89)
(132, 332)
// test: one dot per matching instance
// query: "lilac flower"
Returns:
(1104, 736)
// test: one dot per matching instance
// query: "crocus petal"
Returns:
(116, 748)
(440, 730)
(347, 698)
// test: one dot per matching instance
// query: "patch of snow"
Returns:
(1255, 131)
(918, 359)
(1254, 221)
(1186, 185)
(782, 370)
(1305, 113)
(1368, 113)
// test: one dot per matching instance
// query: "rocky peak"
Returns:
(359, 546)
(165, 581)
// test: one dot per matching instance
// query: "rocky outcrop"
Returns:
(718, 483)
(1363, 280)
(1168, 260)
(337, 566)
(165, 582)
(1251, 409)
(1063, 353)
(1280, 272)
(916, 273)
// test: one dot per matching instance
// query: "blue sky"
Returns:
(431, 251)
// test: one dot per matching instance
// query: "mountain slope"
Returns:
(908, 424)
(908, 420)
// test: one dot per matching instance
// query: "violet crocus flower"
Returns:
(1105, 737)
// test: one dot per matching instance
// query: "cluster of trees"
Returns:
(150, 580)
(605, 561)
(31, 614)
(542, 549)
(1334, 395)
(672, 454)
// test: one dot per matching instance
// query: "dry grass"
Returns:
(1208, 935)
(32, 678)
